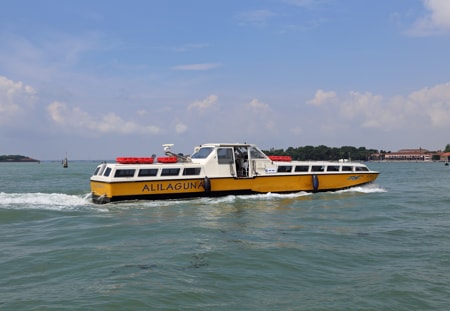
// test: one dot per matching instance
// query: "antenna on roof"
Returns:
(167, 147)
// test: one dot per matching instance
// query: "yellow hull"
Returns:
(103, 192)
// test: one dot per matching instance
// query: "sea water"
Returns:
(384, 246)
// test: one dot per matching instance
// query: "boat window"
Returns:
(191, 171)
(225, 155)
(284, 169)
(107, 172)
(148, 172)
(96, 170)
(124, 173)
(347, 169)
(100, 169)
(333, 168)
(317, 168)
(302, 168)
(202, 153)
(256, 154)
(361, 169)
(170, 172)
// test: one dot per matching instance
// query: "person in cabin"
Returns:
(245, 167)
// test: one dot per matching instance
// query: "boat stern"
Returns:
(100, 192)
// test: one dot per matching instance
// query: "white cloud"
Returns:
(205, 104)
(180, 127)
(56, 111)
(436, 21)
(322, 98)
(373, 111)
(365, 104)
(434, 102)
(425, 108)
(254, 117)
(75, 118)
(258, 106)
(16, 100)
(197, 67)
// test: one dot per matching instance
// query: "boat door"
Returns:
(242, 161)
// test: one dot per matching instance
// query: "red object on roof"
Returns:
(167, 159)
(281, 158)
(134, 160)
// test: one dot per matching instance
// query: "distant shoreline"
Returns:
(17, 159)
(20, 161)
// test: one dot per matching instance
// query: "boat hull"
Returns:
(105, 192)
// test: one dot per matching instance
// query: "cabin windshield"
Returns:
(202, 153)
(256, 154)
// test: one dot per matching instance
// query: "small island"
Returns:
(16, 158)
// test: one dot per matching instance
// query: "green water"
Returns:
(381, 247)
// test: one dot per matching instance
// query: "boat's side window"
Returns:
(170, 172)
(333, 168)
(256, 154)
(302, 168)
(191, 171)
(124, 173)
(202, 153)
(225, 155)
(347, 169)
(284, 169)
(107, 172)
(361, 169)
(317, 168)
(148, 172)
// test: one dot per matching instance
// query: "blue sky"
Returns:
(100, 79)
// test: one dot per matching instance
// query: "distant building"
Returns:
(445, 156)
(405, 155)
(409, 155)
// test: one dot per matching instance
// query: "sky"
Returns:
(102, 79)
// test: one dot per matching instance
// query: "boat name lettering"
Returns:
(172, 186)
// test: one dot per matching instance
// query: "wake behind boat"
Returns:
(220, 169)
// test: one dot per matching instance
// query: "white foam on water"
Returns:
(271, 196)
(229, 199)
(45, 201)
(370, 188)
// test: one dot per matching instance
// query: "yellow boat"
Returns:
(220, 169)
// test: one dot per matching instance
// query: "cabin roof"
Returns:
(227, 145)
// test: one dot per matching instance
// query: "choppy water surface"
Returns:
(384, 246)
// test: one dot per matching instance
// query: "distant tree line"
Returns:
(16, 158)
(447, 148)
(324, 153)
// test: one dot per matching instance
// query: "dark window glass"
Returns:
(317, 168)
(347, 168)
(361, 169)
(225, 155)
(202, 153)
(284, 169)
(302, 168)
(170, 172)
(107, 172)
(333, 168)
(97, 170)
(124, 173)
(148, 172)
(191, 171)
